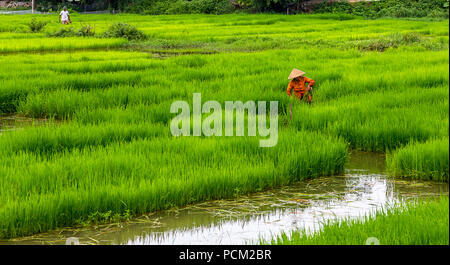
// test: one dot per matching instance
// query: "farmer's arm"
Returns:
(68, 16)
(309, 81)
(289, 88)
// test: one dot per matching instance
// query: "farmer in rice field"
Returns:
(298, 83)
(64, 16)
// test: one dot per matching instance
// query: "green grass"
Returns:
(108, 150)
(373, 108)
(64, 185)
(423, 223)
(242, 32)
(427, 160)
(56, 44)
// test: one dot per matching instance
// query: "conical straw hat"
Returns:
(295, 73)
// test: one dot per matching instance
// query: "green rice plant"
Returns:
(123, 30)
(421, 160)
(86, 31)
(393, 41)
(249, 32)
(83, 31)
(148, 175)
(126, 115)
(107, 152)
(36, 26)
(369, 112)
(63, 32)
(54, 138)
(422, 223)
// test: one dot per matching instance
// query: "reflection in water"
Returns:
(350, 196)
(9, 123)
(304, 204)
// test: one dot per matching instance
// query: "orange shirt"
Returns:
(298, 84)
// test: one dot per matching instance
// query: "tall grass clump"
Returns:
(124, 30)
(422, 223)
(421, 160)
(83, 31)
(36, 25)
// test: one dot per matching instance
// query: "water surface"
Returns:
(14, 122)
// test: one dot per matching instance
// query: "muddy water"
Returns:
(14, 122)
(362, 189)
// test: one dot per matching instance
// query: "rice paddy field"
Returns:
(105, 147)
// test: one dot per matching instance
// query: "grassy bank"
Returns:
(424, 223)
(428, 160)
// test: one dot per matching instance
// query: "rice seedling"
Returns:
(369, 112)
(54, 138)
(244, 32)
(427, 160)
(146, 175)
(56, 44)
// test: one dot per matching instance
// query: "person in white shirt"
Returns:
(64, 16)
